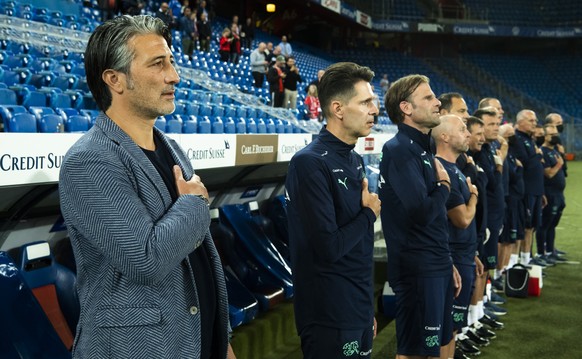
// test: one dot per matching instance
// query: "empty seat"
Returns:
(7, 111)
(77, 123)
(22, 122)
(35, 99)
(7, 97)
(25, 331)
(53, 286)
(161, 124)
(66, 81)
(174, 124)
(51, 124)
(190, 125)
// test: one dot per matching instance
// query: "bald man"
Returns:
(452, 140)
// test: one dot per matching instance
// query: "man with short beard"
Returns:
(414, 188)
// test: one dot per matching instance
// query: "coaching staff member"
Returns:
(149, 278)
(414, 188)
(331, 219)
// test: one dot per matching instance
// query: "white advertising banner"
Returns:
(30, 158)
(209, 150)
(333, 5)
(364, 19)
(291, 143)
(373, 143)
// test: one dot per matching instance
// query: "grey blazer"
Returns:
(131, 244)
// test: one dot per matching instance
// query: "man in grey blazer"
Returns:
(150, 281)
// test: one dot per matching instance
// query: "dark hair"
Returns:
(109, 48)
(446, 100)
(472, 121)
(490, 111)
(400, 91)
(338, 82)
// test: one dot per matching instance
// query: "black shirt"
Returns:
(163, 161)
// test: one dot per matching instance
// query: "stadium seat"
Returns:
(36, 99)
(39, 111)
(204, 125)
(77, 123)
(174, 124)
(8, 97)
(25, 331)
(161, 124)
(190, 124)
(22, 122)
(66, 81)
(53, 286)
(51, 123)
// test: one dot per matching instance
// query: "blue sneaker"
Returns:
(497, 299)
(559, 252)
(538, 262)
(557, 258)
(495, 309)
(497, 285)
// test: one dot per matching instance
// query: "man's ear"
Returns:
(114, 80)
(337, 109)
(406, 108)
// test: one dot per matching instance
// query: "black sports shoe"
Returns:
(485, 333)
(464, 346)
(497, 285)
(460, 355)
(491, 323)
(482, 342)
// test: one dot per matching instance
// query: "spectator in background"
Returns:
(202, 10)
(224, 45)
(247, 33)
(312, 104)
(165, 14)
(286, 49)
(316, 81)
(384, 84)
(187, 25)
(131, 7)
(204, 32)
(235, 50)
(236, 28)
(259, 65)
(290, 84)
(176, 8)
(275, 77)
(272, 56)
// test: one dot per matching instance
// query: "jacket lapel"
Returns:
(118, 136)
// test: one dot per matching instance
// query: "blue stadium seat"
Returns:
(161, 124)
(77, 123)
(190, 125)
(251, 125)
(39, 111)
(53, 285)
(204, 125)
(7, 111)
(66, 81)
(91, 113)
(51, 123)
(217, 125)
(25, 331)
(42, 79)
(60, 100)
(229, 125)
(270, 124)
(8, 97)
(35, 99)
(22, 122)
(261, 126)
(174, 124)
(240, 125)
